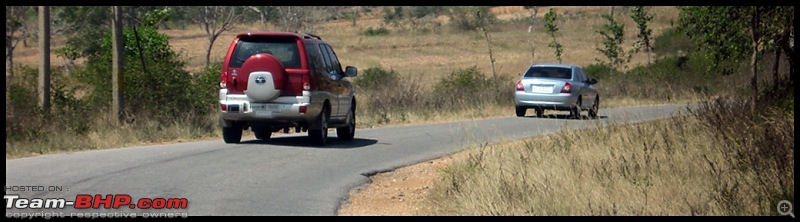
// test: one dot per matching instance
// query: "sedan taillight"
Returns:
(519, 86)
(567, 88)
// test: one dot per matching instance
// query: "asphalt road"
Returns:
(282, 176)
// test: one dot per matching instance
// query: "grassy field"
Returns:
(432, 54)
(422, 60)
(717, 160)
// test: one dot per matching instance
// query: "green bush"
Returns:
(671, 42)
(376, 78)
(600, 71)
(154, 84)
(205, 89)
(26, 119)
(376, 32)
(465, 88)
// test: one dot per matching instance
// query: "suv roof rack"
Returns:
(315, 36)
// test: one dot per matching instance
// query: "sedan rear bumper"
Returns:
(560, 101)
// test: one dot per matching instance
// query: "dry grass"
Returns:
(105, 134)
(425, 57)
(675, 166)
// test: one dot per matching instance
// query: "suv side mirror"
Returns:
(351, 71)
(593, 81)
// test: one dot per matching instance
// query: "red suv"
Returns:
(272, 81)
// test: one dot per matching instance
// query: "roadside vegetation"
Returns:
(733, 154)
(417, 65)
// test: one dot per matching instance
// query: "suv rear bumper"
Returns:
(285, 109)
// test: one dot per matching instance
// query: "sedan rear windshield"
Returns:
(285, 49)
(549, 72)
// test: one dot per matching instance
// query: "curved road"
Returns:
(283, 176)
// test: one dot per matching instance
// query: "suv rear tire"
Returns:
(319, 137)
(262, 134)
(232, 134)
(348, 132)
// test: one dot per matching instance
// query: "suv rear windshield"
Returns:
(549, 72)
(285, 49)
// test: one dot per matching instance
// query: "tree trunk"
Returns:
(754, 61)
(44, 61)
(211, 39)
(118, 63)
(612, 12)
(10, 77)
(787, 49)
(491, 56)
(533, 19)
(775, 68)
(355, 15)
(533, 52)
(10, 58)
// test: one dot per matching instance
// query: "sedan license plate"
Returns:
(541, 89)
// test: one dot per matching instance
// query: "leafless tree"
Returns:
(303, 18)
(215, 20)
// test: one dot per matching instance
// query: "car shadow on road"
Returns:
(563, 116)
(303, 141)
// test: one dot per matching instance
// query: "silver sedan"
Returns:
(556, 87)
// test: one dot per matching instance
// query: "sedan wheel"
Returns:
(575, 113)
(595, 108)
(521, 111)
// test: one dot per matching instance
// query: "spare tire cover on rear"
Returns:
(266, 77)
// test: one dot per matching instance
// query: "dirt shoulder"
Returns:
(400, 192)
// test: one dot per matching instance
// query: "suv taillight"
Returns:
(567, 88)
(223, 78)
(519, 86)
(306, 82)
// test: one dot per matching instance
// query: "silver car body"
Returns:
(543, 83)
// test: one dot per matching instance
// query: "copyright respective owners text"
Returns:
(48, 201)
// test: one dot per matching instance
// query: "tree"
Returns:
(81, 25)
(355, 15)
(44, 62)
(15, 20)
(641, 18)
(422, 18)
(465, 18)
(302, 18)
(552, 28)
(613, 36)
(215, 20)
(482, 23)
(730, 32)
(532, 47)
(118, 58)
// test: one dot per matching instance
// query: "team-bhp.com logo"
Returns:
(97, 201)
